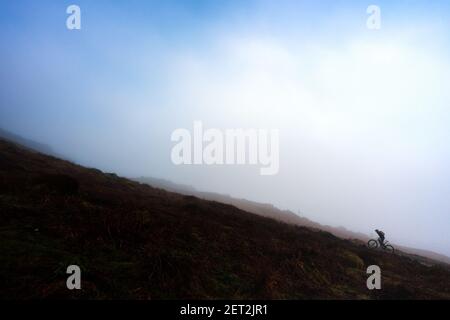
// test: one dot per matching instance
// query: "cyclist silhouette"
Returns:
(380, 242)
(381, 235)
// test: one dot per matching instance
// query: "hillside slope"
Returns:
(270, 211)
(133, 241)
(36, 146)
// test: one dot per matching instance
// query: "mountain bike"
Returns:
(375, 244)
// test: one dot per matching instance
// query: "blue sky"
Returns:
(363, 115)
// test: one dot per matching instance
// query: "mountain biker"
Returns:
(381, 235)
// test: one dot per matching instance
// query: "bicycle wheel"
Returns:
(372, 244)
(389, 248)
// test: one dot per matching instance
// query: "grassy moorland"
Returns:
(133, 241)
